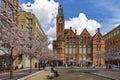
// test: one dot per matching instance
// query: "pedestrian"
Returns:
(66, 65)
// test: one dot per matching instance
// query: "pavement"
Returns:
(17, 74)
(102, 74)
(41, 75)
(113, 74)
(81, 73)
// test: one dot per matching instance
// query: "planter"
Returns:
(51, 75)
(19, 66)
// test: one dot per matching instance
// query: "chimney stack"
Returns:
(98, 29)
(75, 31)
(70, 28)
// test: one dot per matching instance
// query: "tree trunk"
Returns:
(119, 65)
(11, 65)
(11, 69)
(106, 66)
(30, 64)
(39, 65)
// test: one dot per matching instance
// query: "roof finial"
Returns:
(60, 6)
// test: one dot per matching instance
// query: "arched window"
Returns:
(98, 40)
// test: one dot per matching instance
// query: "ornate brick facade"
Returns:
(73, 49)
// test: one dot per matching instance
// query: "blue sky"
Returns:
(86, 13)
(99, 10)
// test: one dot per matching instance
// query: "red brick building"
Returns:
(112, 38)
(112, 44)
(9, 13)
(76, 49)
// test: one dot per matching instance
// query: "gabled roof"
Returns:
(98, 33)
(65, 31)
(68, 31)
(85, 32)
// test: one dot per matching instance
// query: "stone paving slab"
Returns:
(112, 74)
(66, 75)
(77, 75)
(40, 76)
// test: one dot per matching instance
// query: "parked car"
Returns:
(115, 66)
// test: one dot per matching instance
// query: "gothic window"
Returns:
(67, 59)
(74, 50)
(66, 50)
(70, 50)
(70, 40)
(74, 59)
(84, 50)
(98, 40)
(88, 41)
(84, 40)
(89, 50)
(81, 40)
(71, 59)
(67, 40)
(80, 50)
(60, 27)
(84, 58)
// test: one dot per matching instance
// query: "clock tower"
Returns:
(60, 23)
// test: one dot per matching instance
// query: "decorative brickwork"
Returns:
(74, 49)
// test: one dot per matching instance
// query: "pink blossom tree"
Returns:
(9, 41)
(52, 57)
(33, 50)
(46, 55)
(12, 40)
(112, 56)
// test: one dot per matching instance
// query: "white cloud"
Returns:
(50, 42)
(51, 32)
(82, 22)
(50, 46)
(46, 11)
